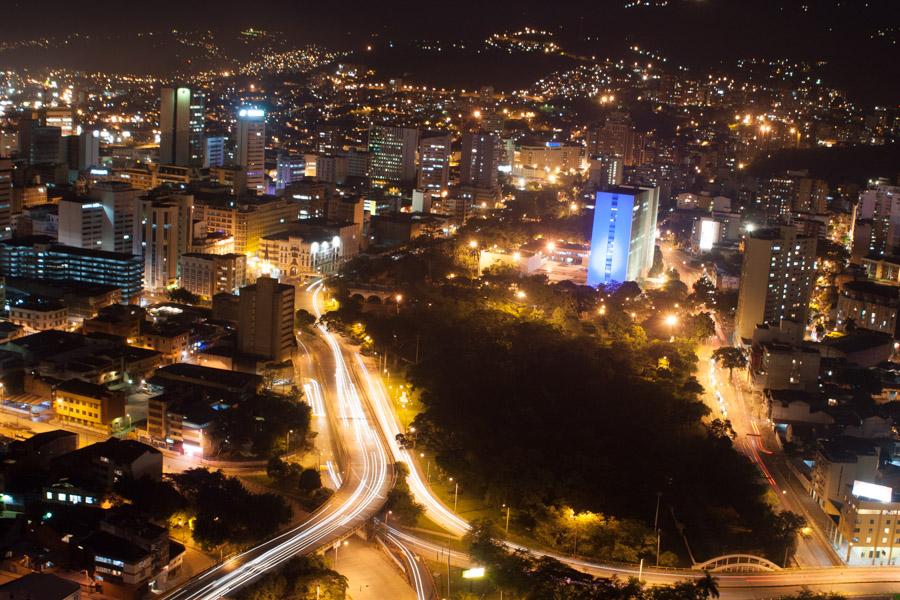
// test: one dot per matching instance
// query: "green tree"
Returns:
(310, 480)
(303, 319)
(182, 296)
(699, 326)
(400, 502)
(730, 358)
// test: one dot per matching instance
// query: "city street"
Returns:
(366, 479)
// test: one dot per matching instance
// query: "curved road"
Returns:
(848, 580)
(365, 482)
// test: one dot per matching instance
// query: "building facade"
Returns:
(777, 277)
(624, 235)
(266, 322)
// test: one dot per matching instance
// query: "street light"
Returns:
(671, 321)
(507, 507)
(399, 299)
(455, 493)
(473, 244)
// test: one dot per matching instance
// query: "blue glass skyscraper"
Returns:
(624, 234)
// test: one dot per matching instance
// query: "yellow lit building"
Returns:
(88, 405)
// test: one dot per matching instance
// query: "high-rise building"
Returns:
(624, 235)
(266, 321)
(214, 151)
(118, 201)
(84, 150)
(617, 137)
(480, 160)
(164, 225)
(81, 223)
(45, 145)
(247, 219)
(197, 128)
(812, 196)
(777, 278)
(289, 168)
(209, 274)
(6, 178)
(331, 169)
(175, 126)
(62, 117)
(250, 147)
(329, 138)
(393, 155)
(777, 196)
(434, 162)
(40, 257)
(877, 231)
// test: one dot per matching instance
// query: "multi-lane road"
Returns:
(368, 425)
(366, 479)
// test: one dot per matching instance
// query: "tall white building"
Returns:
(119, 203)
(164, 227)
(81, 223)
(434, 163)
(250, 147)
(777, 277)
(879, 210)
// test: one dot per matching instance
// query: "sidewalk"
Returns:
(371, 574)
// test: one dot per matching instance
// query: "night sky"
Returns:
(699, 32)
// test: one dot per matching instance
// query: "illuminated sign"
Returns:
(473, 573)
(709, 233)
(102, 172)
(871, 491)
(252, 113)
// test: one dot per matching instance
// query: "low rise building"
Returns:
(869, 528)
(39, 315)
(838, 463)
(89, 405)
(868, 305)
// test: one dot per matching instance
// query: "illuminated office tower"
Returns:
(289, 168)
(214, 151)
(434, 163)
(175, 126)
(118, 201)
(62, 117)
(6, 172)
(250, 146)
(81, 223)
(164, 226)
(480, 160)
(777, 276)
(83, 150)
(393, 155)
(197, 128)
(624, 235)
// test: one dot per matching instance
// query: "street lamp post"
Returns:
(399, 299)
(507, 507)
(455, 493)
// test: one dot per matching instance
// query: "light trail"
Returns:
(415, 567)
(362, 495)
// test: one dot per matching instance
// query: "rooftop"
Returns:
(39, 585)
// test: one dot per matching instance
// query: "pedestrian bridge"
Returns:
(737, 563)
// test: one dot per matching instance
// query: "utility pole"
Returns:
(658, 538)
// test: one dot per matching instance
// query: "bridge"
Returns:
(371, 293)
(737, 563)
